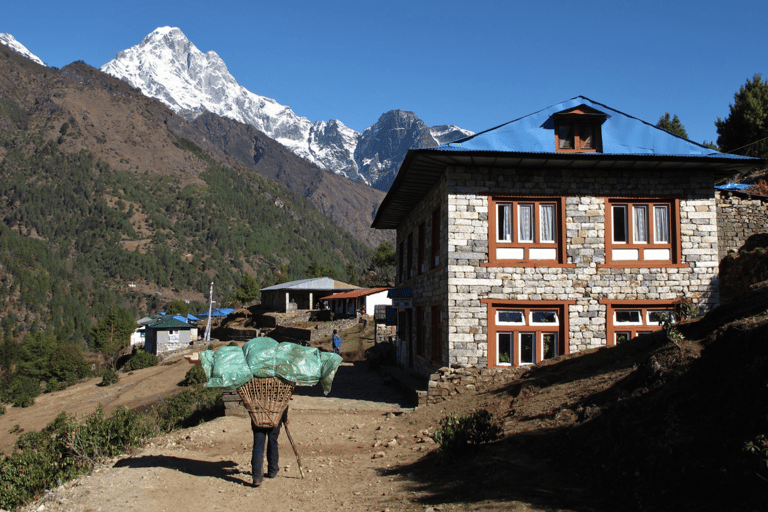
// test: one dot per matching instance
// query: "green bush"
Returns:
(233, 344)
(108, 377)
(2, 409)
(140, 359)
(189, 408)
(457, 433)
(759, 448)
(23, 390)
(195, 375)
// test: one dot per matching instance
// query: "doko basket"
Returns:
(266, 399)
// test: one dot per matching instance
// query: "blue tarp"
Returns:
(733, 186)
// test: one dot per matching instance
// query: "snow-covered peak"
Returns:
(13, 44)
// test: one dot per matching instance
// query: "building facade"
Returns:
(573, 228)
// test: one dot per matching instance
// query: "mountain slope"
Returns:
(11, 42)
(167, 66)
(115, 183)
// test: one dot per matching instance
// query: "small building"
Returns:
(301, 294)
(166, 334)
(362, 301)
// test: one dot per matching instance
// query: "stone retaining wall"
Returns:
(450, 382)
(739, 216)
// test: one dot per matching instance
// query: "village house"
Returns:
(302, 294)
(165, 334)
(574, 227)
(362, 301)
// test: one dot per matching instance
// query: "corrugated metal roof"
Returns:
(315, 283)
(354, 293)
(529, 142)
(169, 323)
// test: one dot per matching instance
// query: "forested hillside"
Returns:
(109, 189)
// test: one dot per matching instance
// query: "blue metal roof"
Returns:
(622, 134)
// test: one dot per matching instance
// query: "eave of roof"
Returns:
(354, 293)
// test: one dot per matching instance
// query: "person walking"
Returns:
(336, 342)
(268, 436)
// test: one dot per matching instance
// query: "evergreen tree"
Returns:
(113, 333)
(248, 291)
(672, 125)
(177, 307)
(745, 130)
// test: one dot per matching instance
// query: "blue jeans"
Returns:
(260, 435)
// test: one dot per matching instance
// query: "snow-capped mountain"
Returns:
(167, 66)
(13, 44)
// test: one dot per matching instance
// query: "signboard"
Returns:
(403, 303)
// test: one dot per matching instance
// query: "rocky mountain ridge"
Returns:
(169, 67)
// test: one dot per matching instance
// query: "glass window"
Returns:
(620, 224)
(658, 317)
(661, 224)
(547, 223)
(621, 337)
(640, 224)
(549, 345)
(628, 317)
(510, 317)
(527, 348)
(505, 348)
(585, 135)
(544, 317)
(526, 222)
(504, 221)
(565, 135)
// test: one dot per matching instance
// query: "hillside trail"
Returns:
(347, 441)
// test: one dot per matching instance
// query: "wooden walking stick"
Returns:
(293, 445)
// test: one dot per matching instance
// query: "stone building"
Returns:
(574, 227)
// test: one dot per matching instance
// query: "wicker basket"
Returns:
(266, 400)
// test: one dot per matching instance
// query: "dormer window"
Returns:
(578, 130)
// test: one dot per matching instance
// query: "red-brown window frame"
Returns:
(576, 118)
(624, 305)
(434, 250)
(674, 245)
(494, 305)
(560, 233)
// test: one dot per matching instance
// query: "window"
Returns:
(642, 232)
(409, 257)
(626, 320)
(401, 261)
(421, 267)
(525, 333)
(434, 258)
(420, 331)
(526, 230)
(578, 130)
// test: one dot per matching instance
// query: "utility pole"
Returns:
(210, 306)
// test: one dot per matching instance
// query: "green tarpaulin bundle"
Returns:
(231, 367)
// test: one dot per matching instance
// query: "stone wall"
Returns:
(739, 216)
(465, 277)
(450, 382)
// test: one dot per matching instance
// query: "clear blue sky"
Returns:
(473, 64)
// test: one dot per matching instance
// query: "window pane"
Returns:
(547, 222)
(544, 317)
(628, 317)
(620, 224)
(526, 223)
(640, 225)
(549, 345)
(504, 221)
(565, 134)
(527, 350)
(658, 317)
(661, 224)
(621, 337)
(505, 347)
(510, 317)
(585, 134)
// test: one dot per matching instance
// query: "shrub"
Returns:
(759, 448)
(233, 344)
(457, 433)
(23, 390)
(195, 375)
(189, 408)
(2, 409)
(140, 359)
(108, 377)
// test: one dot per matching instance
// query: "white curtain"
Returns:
(661, 224)
(526, 223)
(547, 223)
(641, 223)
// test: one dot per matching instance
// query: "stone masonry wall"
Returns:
(589, 281)
(449, 382)
(739, 216)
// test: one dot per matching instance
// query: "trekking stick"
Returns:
(293, 445)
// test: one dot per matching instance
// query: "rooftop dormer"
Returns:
(577, 130)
